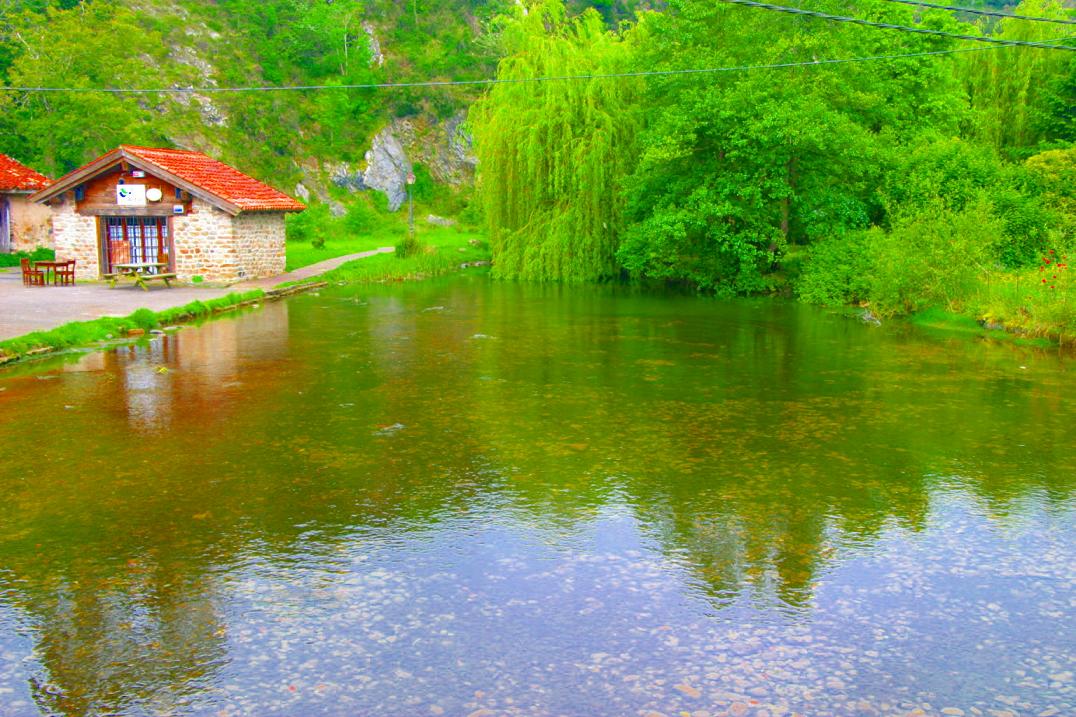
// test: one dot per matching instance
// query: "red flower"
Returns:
(1046, 260)
(1051, 251)
(1044, 281)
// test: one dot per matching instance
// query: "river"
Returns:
(465, 497)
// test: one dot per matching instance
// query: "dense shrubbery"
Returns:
(838, 271)
(38, 254)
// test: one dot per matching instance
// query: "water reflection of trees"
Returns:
(751, 445)
(757, 441)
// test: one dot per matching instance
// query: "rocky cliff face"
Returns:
(442, 147)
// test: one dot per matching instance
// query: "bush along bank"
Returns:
(84, 333)
(937, 266)
(980, 240)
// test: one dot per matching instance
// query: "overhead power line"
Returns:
(505, 81)
(901, 28)
(989, 13)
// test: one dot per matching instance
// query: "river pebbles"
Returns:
(484, 617)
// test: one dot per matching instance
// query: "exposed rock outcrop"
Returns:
(342, 175)
(443, 148)
(211, 114)
(377, 57)
(387, 167)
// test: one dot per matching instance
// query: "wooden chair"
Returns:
(32, 276)
(65, 274)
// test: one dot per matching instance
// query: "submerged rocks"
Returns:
(868, 317)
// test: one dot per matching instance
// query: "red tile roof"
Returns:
(19, 177)
(217, 178)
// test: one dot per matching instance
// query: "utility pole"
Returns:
(411, 205)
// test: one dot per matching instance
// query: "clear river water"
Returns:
(464, 497)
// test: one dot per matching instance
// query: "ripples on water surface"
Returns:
(469, 499)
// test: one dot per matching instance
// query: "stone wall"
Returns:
(260, 242)
(75, 237)
(31, 223)
(205, 244)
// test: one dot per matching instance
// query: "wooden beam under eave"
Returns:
(114, 211)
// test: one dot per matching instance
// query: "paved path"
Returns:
(24, 309)
(308, 272)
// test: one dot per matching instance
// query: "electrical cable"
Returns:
(504, 81)
(989, 13)
(994, 44)
(902, 28)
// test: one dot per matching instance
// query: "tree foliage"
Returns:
(873, 169)
(554, 153)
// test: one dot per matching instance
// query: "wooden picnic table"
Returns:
(50, 268)
(140, 272)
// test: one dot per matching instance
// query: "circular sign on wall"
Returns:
(153, 194)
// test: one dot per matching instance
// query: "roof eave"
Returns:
(279, 210)
(76, 177)
(121, 154)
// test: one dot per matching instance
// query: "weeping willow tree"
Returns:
(1007, 86)
(552, 154)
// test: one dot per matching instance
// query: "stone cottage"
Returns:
(24, 225)
(197, 215)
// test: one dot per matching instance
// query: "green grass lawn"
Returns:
(445, 248)
(300, 254)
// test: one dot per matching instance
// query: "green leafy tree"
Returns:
(1056, 118)
(1010, 88)
(553, 154)
(76, 48)
(737, 166)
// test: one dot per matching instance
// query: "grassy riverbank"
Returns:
(303, 253)
(444, 239)
(440, 251)
(82, 333)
